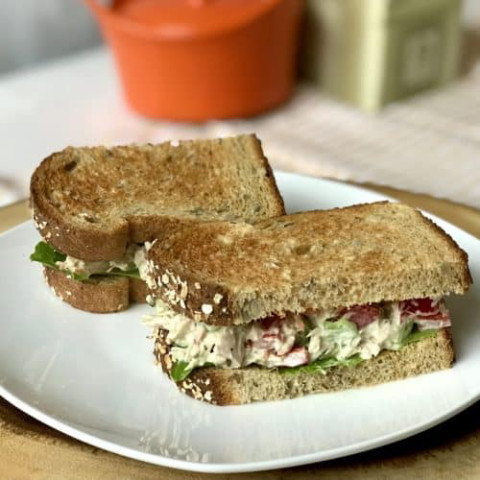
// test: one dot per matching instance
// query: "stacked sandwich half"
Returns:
(304, 303)
(99, 208)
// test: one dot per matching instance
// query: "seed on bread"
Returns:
(225, 239)
(183, 290)
(149, 245)
(168, 362)
(172, 296)
(208, 396)
(40, 225)
(150, 300)
(207, 309)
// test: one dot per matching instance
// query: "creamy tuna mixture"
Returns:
(294, 340)
(134, 258)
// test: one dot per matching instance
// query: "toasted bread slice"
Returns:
(91, 202)
(238, 386)
(99, 294)
(234, 273)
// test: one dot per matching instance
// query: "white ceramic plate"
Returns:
(92, 376)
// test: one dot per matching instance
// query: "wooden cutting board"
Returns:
(31, 450)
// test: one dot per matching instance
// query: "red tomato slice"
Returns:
(421, 307)
(295, 357)
(271, 321)
(362, 315)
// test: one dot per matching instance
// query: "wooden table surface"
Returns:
(31, 450)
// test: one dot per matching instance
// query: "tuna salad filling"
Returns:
(317, 339)
(130, 265)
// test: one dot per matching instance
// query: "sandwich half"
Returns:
(98, 208)
(304, 303)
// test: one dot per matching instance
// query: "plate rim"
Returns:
(208, 467)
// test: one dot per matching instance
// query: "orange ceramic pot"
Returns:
(203, 59)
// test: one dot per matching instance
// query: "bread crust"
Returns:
(311, 260)
(467, 276)
(99, 295)
(91, 202)
(239, 386)
(272, 184)
(137, 290)
(89, 244)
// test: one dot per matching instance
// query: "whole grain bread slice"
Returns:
(91, 202)
(228, 273)
(238, 386)
(99, 294)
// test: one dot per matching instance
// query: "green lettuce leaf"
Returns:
(45, 254)
(123, 273)
(342, 325)
(420, 335)
(180, 371)
(323, 364)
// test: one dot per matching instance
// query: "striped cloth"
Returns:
(428, 144)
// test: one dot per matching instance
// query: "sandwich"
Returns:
(311, 302)
(98, 209)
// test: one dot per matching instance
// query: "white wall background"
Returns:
(32, 31)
